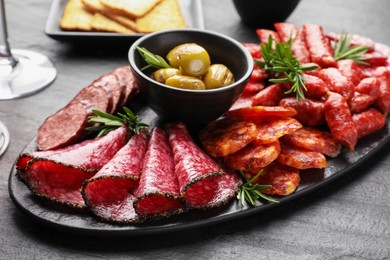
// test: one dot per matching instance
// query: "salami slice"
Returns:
(339, 119)
(158, 194)
(59, 176)
(109, 193)
(253, 156)
(203, 183)
(283, 179)
(72, 120)
(227, 136)
(314, 140)
(368, 122)
(111, 84)
(301, 158)
(127, 83)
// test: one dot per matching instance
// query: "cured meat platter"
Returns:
(81, 222)
(145, 188)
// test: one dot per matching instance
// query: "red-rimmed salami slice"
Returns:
(301, 158)
(227, 136)
(283, 179)
(256, 112)
(253, 156)
(158, 193)
(203, 183)
(109, 194)
(314, 140)
(272, 129)
(59, 176)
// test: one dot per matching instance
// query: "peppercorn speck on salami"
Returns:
(203, 183)
(59, 176)
(158, 193)
(109, 194)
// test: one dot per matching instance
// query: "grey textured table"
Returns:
(348, 219)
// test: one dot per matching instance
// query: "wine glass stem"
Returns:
(6, 57)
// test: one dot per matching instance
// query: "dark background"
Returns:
(348, 219)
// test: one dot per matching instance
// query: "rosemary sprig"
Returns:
(250, 192)
(153, 60)
(108, 122)
(284, 66)
(344, 50)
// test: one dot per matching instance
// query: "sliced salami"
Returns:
(72, 120)
(200, 178)
(109, 193)
(59, 176)
(158, 194)
(111, 84)
(127, 83)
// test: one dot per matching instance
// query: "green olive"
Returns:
(161, 75)
(218, 76)
(190, 58)
(185, 82)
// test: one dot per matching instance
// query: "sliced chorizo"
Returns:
(270, 96)
(309, 112)
(272, 129)
(300, 158)
(227, 136)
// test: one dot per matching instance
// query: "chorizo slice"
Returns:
(309, 112)
(270, 96)
(318, 45)
(300, 158)
(227, 136)
(59, 176)
(298, 46)
(284, 180)
(109, 193)
(158, 193)
(314, 140)
(272, 129)
(200, 178)
(257, 112)
(337, 82)
(339, 119)
(244, 100)
(368, 122)
(253, 156)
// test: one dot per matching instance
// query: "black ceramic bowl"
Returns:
(194, 107)
(260, 13)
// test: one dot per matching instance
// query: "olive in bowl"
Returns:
(196, 106)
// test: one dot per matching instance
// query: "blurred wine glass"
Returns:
(22, 73)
